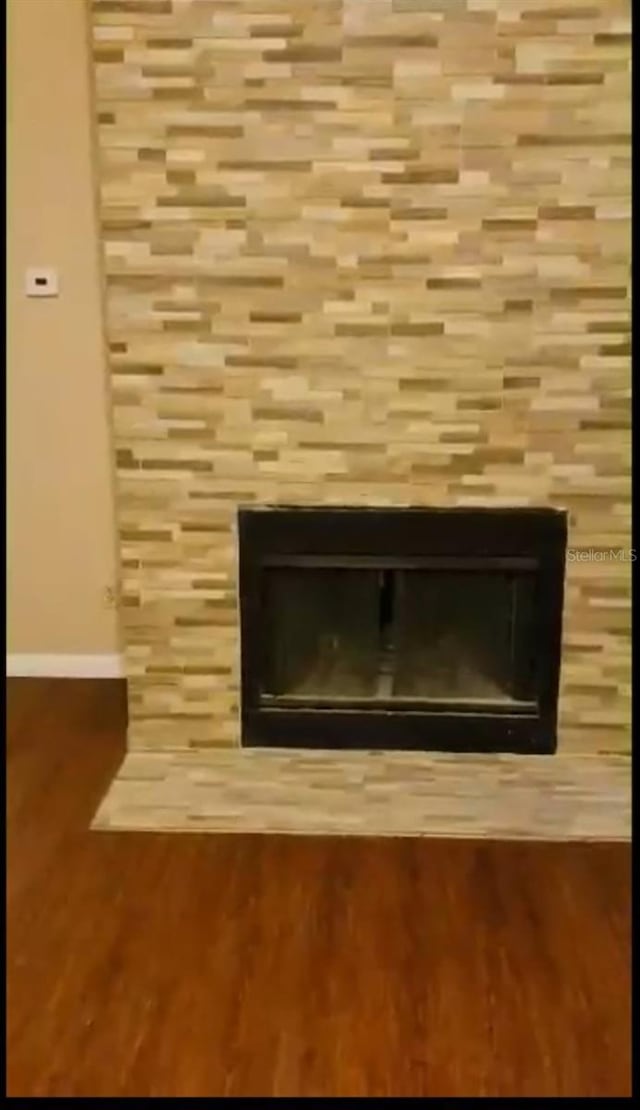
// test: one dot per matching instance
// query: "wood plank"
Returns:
(194, 965)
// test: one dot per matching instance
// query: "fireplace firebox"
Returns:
(433, 629)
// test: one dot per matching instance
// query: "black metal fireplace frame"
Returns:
(534, 538)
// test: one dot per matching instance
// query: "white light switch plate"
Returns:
(41, 281)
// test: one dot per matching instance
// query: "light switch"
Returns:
(41, 281)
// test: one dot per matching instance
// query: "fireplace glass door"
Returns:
(336, 636)
(411, 629)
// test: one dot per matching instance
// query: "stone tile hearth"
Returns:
(372, 794)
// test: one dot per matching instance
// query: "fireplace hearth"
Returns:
(434, 629)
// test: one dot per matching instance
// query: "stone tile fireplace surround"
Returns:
(367, 253)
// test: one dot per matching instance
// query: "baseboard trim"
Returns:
(65, 666)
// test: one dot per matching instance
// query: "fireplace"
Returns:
(434, 629)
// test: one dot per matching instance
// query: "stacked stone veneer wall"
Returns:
(363, 252)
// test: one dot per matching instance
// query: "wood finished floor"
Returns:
(181, 965)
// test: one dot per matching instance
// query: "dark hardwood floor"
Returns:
(143, 964)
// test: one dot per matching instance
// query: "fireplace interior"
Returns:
(437, 629)
(388, 634)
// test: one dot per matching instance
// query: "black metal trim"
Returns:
(521, 538)
(481, 563)
(397, 731)
(435, 706)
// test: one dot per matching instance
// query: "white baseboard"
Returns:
(65, 666)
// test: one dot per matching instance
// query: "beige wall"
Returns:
(61, 545)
